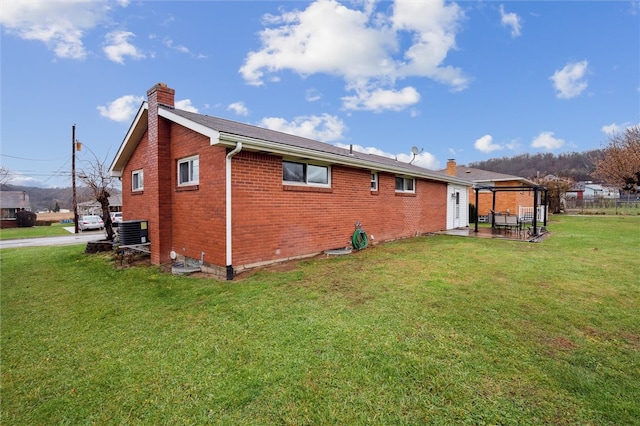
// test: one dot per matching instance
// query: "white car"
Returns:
(89, 222)
(116, 218)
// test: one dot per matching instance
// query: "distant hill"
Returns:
(45, 198)
(575, 165)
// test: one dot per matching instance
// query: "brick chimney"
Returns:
(451, 167)
(157, 174)
(161, 94)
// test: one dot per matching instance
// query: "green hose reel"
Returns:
(359, 240)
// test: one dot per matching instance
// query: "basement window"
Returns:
(188, 171)
(405, 184)
(137, 180)
(305, 174)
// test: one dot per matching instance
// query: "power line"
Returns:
(32, 159)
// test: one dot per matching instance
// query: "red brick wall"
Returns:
(136, 205)
(271, 221)
(8, 223)
(199, 212)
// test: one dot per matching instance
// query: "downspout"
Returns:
(228, 230)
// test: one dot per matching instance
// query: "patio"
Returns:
(503, 234)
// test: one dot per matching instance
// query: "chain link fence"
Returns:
(599, 205)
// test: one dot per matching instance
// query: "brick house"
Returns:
(511, 200)
(11, 202)
(235, 196)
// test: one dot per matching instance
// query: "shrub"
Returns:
(26, 219)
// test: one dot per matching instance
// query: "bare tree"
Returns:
(4, 175)
(620, 161)
(557, 187)
(96, 176)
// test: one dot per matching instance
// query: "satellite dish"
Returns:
(415, 150)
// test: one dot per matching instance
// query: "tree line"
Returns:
(576, 166)
(617, 166)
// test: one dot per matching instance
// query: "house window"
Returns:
(305, 174)
(374, 181)
(405, 184)
(188, 171)
(137, 180)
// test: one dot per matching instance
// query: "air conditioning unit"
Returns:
(134, 232)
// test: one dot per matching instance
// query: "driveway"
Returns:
(81, 238)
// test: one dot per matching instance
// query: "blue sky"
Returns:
(465, 80)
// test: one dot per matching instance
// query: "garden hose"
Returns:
(359, 239)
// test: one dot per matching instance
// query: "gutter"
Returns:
(228, 229)
(310, 154)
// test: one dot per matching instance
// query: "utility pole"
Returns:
(73, 177)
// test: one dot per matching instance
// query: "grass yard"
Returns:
(54, 230)
(434, 330)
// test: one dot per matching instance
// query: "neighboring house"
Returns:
(592, 191)
(10, 203)
(510, 200)
(234, 196)
(93, 207)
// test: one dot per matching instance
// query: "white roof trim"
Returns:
(125, 142)
(313, 155)
(214, 135)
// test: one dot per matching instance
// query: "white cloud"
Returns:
(510, 20)
(179, 47)
(312, 95)
(185, 105)
(570, 81)
(325, 127)
(513, 145)
(117, 46)
(454, 152)
(432, 26)
(18, 179)
(424, 159)
(366, 150)
(60, 24)
(485, 144)
(169, 20)
(546, 140)
(122, 109)
(615, 128)
(379, 99)
(362, 47)
(611, 129)
(239, 108)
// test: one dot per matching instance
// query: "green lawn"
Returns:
(56, 229)
(433, 330)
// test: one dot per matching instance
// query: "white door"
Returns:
(455, 199)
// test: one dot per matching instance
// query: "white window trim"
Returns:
(404, 184)
(306, 183)
(140, 173)
(374, 179)
(189, 160)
